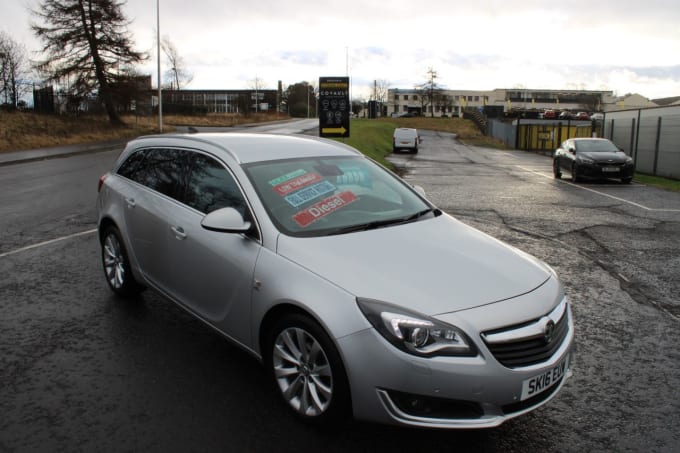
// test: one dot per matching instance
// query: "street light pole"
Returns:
(158, 52)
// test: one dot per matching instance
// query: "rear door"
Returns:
(159, 176)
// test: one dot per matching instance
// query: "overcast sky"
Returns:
(627, 46)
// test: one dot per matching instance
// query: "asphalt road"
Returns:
(83, 371)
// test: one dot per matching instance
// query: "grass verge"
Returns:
(374, 137)
(656, 181)
(26, 130)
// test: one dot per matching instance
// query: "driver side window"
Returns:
(210, 187)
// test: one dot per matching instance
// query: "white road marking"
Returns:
(42, 244)
(632, 203)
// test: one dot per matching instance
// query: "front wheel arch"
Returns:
(574, 173)
(291, 320)
(557, 172)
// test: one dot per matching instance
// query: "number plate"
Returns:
(542, 382)
(611, 169)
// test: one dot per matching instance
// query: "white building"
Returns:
(444, 102)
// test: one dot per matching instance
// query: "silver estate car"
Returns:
(356, 293)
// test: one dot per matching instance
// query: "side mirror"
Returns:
(226, 220)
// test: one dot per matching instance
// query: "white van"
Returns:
(405, 138)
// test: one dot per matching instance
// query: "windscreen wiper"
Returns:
(383, 223)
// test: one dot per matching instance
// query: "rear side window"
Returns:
(161, 169)
(211, 186)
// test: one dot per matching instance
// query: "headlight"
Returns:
(415, 333)
(585, 160)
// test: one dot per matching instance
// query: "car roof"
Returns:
(252, 147)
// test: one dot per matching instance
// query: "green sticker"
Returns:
(286, 177)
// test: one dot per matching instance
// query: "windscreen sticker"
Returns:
(309, 193)
(297, 183)
(286, 177)
(321, 209)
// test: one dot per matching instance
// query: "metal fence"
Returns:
(538, 135)
(651, 136)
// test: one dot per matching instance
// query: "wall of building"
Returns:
(400, 101)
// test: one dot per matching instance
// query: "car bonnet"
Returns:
(438, 265)
(599, 156)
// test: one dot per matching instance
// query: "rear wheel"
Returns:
(307, 369)
(117, 265)
(626, 180)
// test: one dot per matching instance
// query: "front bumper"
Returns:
(598, 171)
(392, 387)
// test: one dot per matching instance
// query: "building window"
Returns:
(415, 97)
(406, 97)
(396, 97)
(476, 98)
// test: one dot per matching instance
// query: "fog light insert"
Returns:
(432, 407)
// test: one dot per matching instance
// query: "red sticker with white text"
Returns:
(324, 207)
(297, 183)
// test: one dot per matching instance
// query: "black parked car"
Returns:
(592, 158)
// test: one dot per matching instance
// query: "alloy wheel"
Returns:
(114, 262)
(302, 371)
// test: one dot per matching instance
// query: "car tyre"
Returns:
(556, 169)
(627, 180)
(574, 173)
(307, 370)
(116, 265)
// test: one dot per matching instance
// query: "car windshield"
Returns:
(595, 146)
(324, 196)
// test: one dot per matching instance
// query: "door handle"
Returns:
(130, 202)
(179, 232)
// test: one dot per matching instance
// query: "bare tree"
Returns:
(13, 69)
(257, 85)
(380, 90)
(179, 75)
(430, 89)
(87, 40)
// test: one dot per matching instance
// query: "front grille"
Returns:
(522, 352)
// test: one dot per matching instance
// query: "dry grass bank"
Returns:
(25, 130)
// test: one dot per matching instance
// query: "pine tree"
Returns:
(85, 41)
